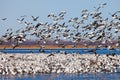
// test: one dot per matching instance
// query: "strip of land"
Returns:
(47, 46)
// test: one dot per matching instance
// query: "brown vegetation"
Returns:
(46, 46)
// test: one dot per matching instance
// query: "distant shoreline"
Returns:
(47, 47)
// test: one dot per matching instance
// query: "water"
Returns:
(80, 51)
(84, 76)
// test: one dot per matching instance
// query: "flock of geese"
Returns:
(90, 26)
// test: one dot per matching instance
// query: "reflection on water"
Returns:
(80, 51)
(85, 76)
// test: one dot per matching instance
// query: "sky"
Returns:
(13, 9)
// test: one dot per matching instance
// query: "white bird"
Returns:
(20, 20)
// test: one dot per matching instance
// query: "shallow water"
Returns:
(80, 51)
(85, 76)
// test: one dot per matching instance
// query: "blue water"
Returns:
(84, 76)
(80, 51)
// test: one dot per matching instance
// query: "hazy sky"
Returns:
(13, 9)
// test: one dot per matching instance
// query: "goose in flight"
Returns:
(4, 19)
(35, 18)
